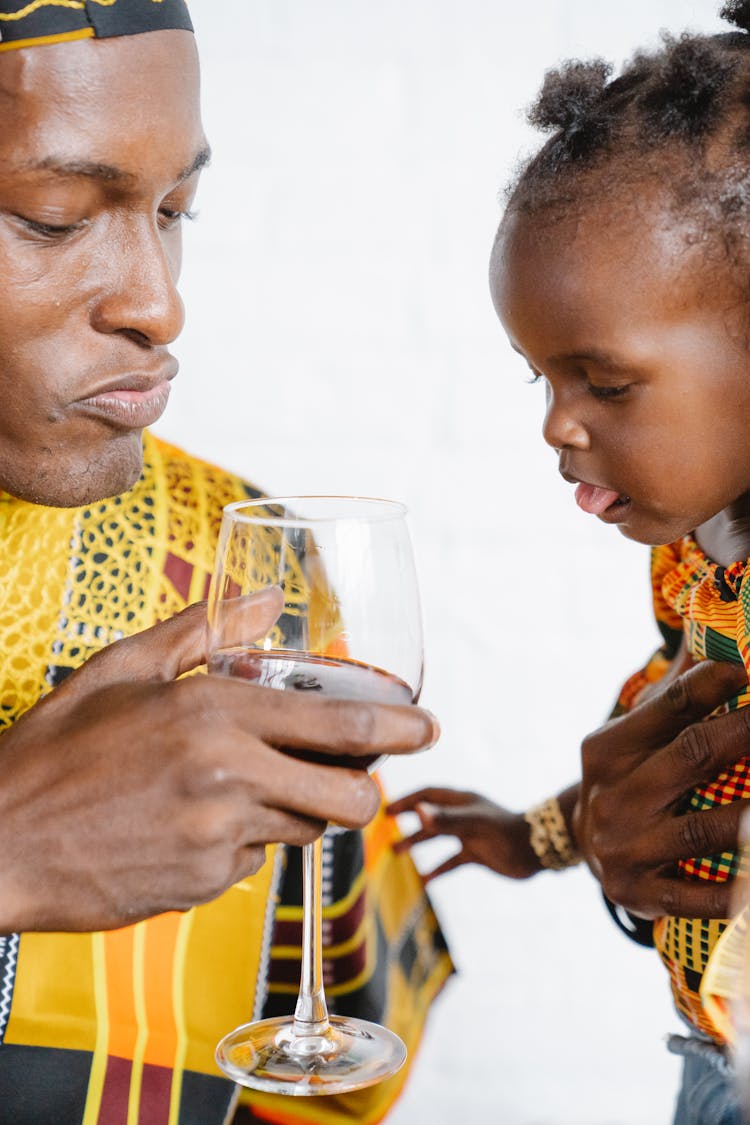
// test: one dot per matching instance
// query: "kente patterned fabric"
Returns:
(709, 605)
(119, 1028)
(31, 23)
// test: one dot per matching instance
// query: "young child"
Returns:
(620, 274)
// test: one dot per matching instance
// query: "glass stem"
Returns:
(311, 1013)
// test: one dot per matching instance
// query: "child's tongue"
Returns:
(593, 499)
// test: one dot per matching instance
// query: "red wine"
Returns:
(334, 678)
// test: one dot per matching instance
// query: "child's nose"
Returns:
(562, 427)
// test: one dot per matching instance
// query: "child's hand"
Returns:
(488, 833)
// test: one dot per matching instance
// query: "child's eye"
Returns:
(532, 377)
(608, 392)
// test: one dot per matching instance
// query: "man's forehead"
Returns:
(62, 108)
(28, 23)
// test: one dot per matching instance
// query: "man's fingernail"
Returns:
(435, 732)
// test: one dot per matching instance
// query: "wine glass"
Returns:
(350, 629)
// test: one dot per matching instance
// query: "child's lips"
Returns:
(595, 500)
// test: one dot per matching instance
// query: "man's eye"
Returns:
(533, 377)
(51, 231)
(169, 218)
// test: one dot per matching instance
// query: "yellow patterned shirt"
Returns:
(119, 1028)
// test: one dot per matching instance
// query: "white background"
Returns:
(340, 338)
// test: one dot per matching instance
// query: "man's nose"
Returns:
(138, 296)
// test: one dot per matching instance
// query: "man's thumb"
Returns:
(167, 650)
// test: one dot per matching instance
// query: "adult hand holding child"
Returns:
(630, 821)
(627, 815)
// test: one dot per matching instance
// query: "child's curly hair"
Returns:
(680, 114)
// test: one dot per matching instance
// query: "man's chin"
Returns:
(74, 481)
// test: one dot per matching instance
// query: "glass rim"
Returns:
(378, 509)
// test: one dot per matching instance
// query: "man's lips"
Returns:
(131, 401)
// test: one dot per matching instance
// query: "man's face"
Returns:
(100, 152)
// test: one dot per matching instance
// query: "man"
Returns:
(127, 794)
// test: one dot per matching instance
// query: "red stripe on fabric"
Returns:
(179, 573)
(156, 1087)
(337, 929)
(336, 970)
(113, 1108)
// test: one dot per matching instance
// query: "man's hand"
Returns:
(127, 792)
(637, 770)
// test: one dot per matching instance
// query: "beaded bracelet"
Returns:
(549, 837)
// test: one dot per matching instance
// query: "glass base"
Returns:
(268, 1055)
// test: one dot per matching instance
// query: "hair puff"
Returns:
(686, 91)
(738, 13)
(678, 115)
(569, 94)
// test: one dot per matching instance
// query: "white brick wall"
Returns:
(341, 338)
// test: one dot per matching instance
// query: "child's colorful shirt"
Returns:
(709, 605)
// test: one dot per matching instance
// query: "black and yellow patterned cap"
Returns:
(30, 23)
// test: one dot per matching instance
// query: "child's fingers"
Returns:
(432, 795)
(410, 841)
(435, 821)
(449, 864)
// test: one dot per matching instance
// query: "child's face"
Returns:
(641, 346)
